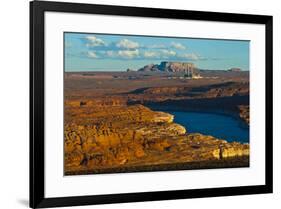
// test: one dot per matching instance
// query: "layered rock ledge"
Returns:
(109, 138)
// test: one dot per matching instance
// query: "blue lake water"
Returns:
(218, 125)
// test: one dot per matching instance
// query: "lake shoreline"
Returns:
(168, 108)
(173, 110)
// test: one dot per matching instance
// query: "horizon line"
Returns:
(85, 70)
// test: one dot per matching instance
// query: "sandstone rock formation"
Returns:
(100, 137)
(235, 69)
(149, 68)
(225, 97)
(108, 127)
(177, 67)
(174, 67)
(244, 113)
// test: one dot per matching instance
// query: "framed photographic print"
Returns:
(135, 104)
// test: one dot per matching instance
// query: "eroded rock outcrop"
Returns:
(244, 113)
(98, 137)
(172, 67)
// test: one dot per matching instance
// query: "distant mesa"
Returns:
(149, 68)
(130, 70)
(187, 68)
(235, 69)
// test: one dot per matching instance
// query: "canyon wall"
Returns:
(113, 136)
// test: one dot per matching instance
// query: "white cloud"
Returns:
(190, 56)
(128, 54)
(93, 41)
(168, 53)
(92, 54)
(157, 46)
(178, 46)
(137, 54)
(150, 54)
(110, 53)
(127, 44)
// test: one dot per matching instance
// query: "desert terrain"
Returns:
(120, 121)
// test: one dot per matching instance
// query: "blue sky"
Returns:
(102, 52)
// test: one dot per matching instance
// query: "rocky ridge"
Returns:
(99, 137)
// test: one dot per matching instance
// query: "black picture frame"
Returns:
(37, 195)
